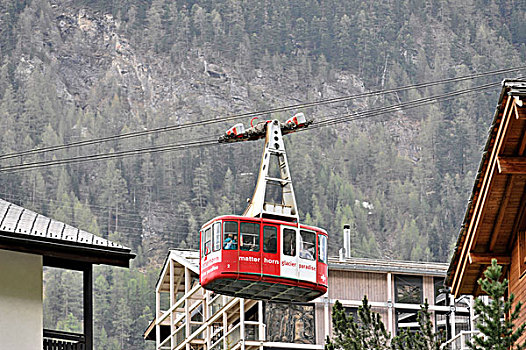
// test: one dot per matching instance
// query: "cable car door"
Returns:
(289, 260)
(270, 254)
(230, 248)
(307, 256)
(250, 250)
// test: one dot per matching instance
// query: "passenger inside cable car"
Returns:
(249, 237)
(230, 242)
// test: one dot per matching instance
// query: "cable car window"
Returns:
(322, 248)
(217, 236)
(230, 235)
(270, 239)
(289, 242)
(249, 236)
(208, 241)
(307, 245)
(202, 242)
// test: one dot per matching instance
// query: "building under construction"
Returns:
(190, 317)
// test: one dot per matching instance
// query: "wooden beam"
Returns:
(512, 165)
(502, 210)
(518, 102)
(517, 220)
(64, 250)
(519, 111)
(522, 146)
(485, 258)
(476, 287)
(463, 259)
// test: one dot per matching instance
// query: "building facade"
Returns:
(189, 317)
(29, 242)
(495, 222)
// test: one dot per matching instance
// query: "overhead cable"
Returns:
(212, 141)
(256, 113)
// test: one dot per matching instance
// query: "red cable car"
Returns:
(266, 253)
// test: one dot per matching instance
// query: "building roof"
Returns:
(497, 199)
(26, 231)
(188, 258)
(385, 266)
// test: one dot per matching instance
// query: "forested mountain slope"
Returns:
(76, 70)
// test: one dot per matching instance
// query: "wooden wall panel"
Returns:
(320, 323)
(429, 290)
(517, 284)
(350, 285)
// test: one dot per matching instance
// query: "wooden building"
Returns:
(28, 243)
(495, 221)
(188, 317)
(396, 289)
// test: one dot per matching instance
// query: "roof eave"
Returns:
(66, 250)
(507, 85)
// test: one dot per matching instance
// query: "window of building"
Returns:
(440, 291)
(461, 323)
(441, 321)
(307, 245)
(249, 236)
(270, 239)
(289, 242)
(406, 319)
(352, 311)
(408, 289)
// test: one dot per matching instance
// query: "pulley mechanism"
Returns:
(274, 193)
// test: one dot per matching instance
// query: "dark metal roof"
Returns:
(383, 266)
(24, 230)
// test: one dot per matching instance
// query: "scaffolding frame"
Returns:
(198, 319)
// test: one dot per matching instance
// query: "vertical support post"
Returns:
(225, 325)
(452, 317)
(187, 288)
(88, 306)
(326, 315)
(471, 313)
(208, 314)
(172, 302)
(242, 322)
(261, 320)
(390, 303)
(157, 316)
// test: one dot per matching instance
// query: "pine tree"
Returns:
(424, 338)
(497, 320)
(368, 332)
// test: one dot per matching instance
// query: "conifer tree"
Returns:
(424, 338)
(497, 318)
(368, 332)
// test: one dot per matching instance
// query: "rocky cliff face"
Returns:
(89, 54)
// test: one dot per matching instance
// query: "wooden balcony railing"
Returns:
(59, 340)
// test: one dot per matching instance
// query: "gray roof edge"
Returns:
(110, 246)
(386, 269)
